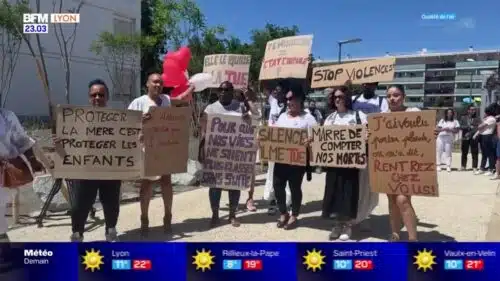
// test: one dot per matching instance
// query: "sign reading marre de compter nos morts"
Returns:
(282, 145)
(380, 70)
(286, 57)
(339, 146)
(98, 143)
(230, 152)
(402, 149)
(228, 67)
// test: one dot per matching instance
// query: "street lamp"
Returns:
(340, 43)
(471, 76)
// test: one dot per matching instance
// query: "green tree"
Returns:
(168, 24)
(11, 18)
(121, 56)
(10, 45)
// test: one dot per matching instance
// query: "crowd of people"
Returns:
(347, 199)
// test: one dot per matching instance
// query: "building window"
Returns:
(125, 88)
(467, 72)
(414, 86)
(382, 87)
(124, 26)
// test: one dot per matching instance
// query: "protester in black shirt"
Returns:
(468, 126)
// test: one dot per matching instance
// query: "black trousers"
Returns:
(473, 145)
(488, 151)
(85, 193)
(293, 175)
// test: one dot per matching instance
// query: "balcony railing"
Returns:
(408, 80)
(466, 92)
(477, 64)
(466, 78)
(409, 67)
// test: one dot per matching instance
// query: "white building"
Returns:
(27, 96)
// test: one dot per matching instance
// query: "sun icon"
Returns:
(424, 260)
(314, 260)
(92, 260)
(203, 260)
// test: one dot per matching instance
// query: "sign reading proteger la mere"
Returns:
(370, 71)
(97, 143)
(402, 153)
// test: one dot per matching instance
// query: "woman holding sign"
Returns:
(294, 116)
(400, 206)
(343, 185)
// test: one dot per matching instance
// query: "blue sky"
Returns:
(384, 25)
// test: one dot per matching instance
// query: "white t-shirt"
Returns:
(408, 109)
(345, 118)
(447, 125)
(303, 121)
(234, 108)
(143, 103)
(274, 111)
(368, 106)
(490, 121)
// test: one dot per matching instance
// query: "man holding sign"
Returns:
(226, 105)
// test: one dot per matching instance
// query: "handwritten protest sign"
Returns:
(402, 153)
(286, 57)
(228, 67)
(230, 152)
(282, 145)
(380, 70)
(97, 143)
(166, 141)
(339, 146)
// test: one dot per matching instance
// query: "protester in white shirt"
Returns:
(277, 103)
(347, 197)
(446, 128)
(294, 117)
(486, 133)
(226, 105)
(154, 97)
(400, 207)
(368, 102)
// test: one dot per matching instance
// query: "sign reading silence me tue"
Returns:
(381, 70)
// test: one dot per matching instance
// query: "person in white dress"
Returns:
(446, 128)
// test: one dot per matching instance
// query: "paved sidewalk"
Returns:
(463, 212)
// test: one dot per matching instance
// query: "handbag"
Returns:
(15, 173)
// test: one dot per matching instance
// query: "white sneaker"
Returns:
(346, 233)
(496, 177)
(478, 172)
(474, 170)
(448, 169)
(112, 235)
(488, 174)
(438, 169)
(76, 237)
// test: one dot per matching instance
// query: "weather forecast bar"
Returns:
(251, 261)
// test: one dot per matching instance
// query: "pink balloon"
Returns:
(173, 75)
(182, 56)
(179, 90)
